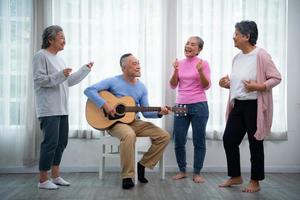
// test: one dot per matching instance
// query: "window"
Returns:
(15, 62)
(15, 41)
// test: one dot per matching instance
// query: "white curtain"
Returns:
(15, 58)
(102, 31)
(155, 31)
(214, 21)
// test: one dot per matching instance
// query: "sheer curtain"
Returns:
(15, 59)
(214, 21)
(102, 31)
(156, 31)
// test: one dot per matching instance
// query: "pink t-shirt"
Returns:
(189, 85)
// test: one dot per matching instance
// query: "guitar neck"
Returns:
(141, 109)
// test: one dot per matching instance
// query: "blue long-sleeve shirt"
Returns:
(120, 87)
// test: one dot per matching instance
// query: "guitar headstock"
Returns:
(180, 110)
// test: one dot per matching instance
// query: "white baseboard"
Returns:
(169, 168)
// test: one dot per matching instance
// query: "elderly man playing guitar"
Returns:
(128, 84)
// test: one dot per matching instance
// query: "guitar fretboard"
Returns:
(141, 109)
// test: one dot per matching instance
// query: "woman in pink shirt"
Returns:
(191, 77)
(250, 105)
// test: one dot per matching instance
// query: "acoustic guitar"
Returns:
(125, 111)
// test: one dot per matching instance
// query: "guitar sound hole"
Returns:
(120, 109)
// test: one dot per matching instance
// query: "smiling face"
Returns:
(191, 47)
(132, 67)
(240, 40)
(58, 43)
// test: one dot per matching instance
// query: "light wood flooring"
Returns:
(87, 186)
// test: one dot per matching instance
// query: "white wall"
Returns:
(82, 155)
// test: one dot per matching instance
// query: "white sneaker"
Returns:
(60, 181)
(48, 185)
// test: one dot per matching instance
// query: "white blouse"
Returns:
(244, 69)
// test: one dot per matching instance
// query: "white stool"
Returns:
(142, 144)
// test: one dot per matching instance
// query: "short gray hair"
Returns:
(50, 33)
(247, 27)
(123, 58)
(200, 41)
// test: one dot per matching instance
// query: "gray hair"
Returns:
(200, 41)
(247, 27)
(50, 33)
(123, 58)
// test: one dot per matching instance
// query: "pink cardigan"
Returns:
(268, 74)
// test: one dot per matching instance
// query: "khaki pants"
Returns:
(127, 134)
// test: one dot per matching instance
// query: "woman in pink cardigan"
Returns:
(250, 104)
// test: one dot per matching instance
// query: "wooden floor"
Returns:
(87, 186)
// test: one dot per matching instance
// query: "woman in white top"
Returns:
(249, 108)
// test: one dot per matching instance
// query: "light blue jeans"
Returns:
(197, 115)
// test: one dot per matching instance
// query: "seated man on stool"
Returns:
(128, 84)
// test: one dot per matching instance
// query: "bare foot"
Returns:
(232, 181)
(253, 186)
(180, 175)
(198, 179)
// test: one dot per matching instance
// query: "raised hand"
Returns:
(176, 64)
(225, 82)
(90, 64)
(67, 72)
(199, 65)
